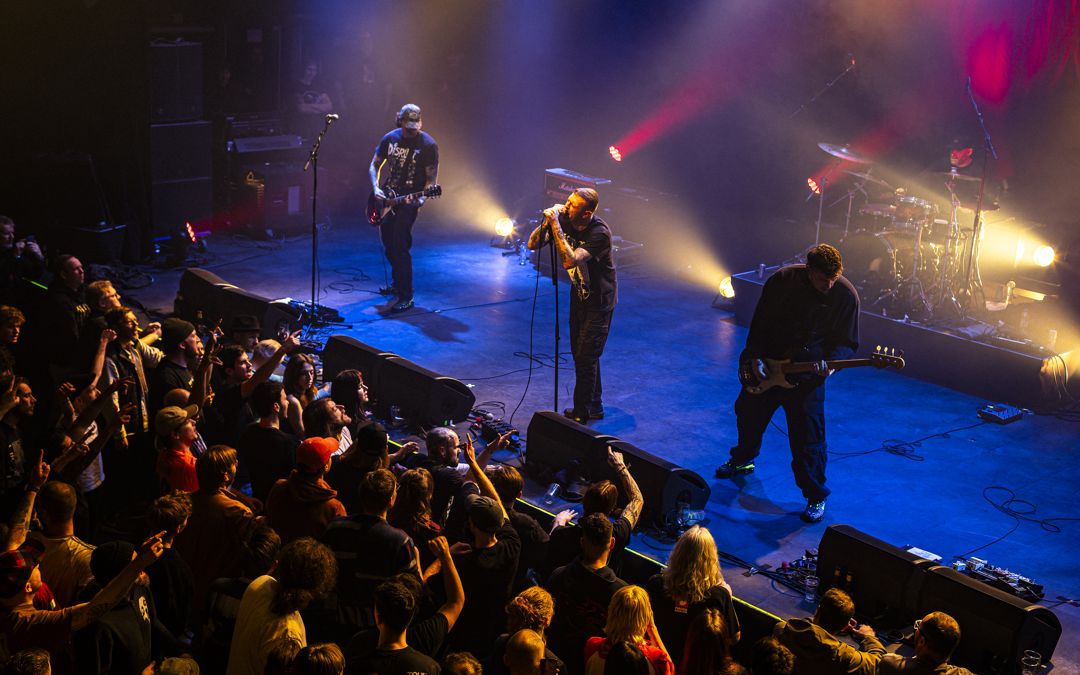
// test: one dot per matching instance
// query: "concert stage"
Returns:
(669, 384)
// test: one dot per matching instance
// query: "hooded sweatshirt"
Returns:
(818, 652)
(301, 505)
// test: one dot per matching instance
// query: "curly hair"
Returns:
(693, 566)
(323, 659)
(825, 259)
(305, 570)
(532, 608)
(412, 508)
(629, 615)
(461, 663)
(11, 316)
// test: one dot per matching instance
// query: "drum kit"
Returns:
(905, 256)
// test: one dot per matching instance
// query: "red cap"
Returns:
(314, 452)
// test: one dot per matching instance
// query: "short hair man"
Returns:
(171, 581)
(266, 452)
(395, 608)
(936, 636)
(65, 565)
(816, 644)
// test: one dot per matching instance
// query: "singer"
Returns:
(406, 160)
(583, 243)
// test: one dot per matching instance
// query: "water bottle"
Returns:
(551, 494)
(523, 254)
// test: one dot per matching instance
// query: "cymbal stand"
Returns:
(913, 283)
(947, 297)
(820, 209)
(850, 197)
(972, 277)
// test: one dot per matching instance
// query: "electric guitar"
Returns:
(760, 375)
(378, 209)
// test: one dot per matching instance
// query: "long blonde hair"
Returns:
(693, 567)
(629, 615)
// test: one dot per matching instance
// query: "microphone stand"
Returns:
(827, 87)
(313, 318)
(972, 277)
(555, 284)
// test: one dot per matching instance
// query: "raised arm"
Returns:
(633, 510)
(267, 369)
(20, 520)
(116, 590)
(486, 488)
(455, 592)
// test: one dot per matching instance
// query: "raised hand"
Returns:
(291, 342)
(150, 550)
(39, 473)
(439, 548)
(107, 336)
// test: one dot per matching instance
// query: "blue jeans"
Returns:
(588, 334)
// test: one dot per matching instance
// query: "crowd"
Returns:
(171, 504)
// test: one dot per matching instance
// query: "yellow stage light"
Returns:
(504, 227)
(1044, 256)
(726, 290)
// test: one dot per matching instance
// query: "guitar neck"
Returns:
(398, 200)
(839, 364)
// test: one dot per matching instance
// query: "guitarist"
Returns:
(806, 313)
(405, 161)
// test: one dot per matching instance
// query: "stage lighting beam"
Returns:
(1044, 256)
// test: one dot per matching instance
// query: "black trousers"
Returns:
(396, 233)
(588, 335)
(804, 407)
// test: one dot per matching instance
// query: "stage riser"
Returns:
(975, 368)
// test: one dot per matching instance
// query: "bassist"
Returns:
(405, 161)
(807, 313)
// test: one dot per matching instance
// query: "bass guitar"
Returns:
(378, 209)
(760, 375)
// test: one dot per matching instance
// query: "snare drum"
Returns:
(911, 212)
(876, 217)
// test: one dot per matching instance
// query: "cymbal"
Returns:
(869, 179)
(843, 152)
(959, 176)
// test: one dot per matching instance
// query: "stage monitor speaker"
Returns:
(884, 581)
(344, 353)
(197, 298)
(274, 317)
(995, 627)
(665, 486)
(555, 443)
(423, 397)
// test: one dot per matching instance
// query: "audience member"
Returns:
(280, 656)
(266, 452)
(690, 584)
(58, 321)
(461, 663)
(299, 381)
(936, 636)
(324, 418)
(368, 549)
(442, 460)
(395, 607)
(707, 650)
(212, 542)
(16, 408)
(244, 332)
(349, 390)
(411, 512)
(11, 323)
(271, 606)
(487, 563)
(769, 657)
(324, 659)
(175, 429)
(29, 662)
(524, 653)
(583, 590)
(65, 563)
(21, 261)
(171, 582)
(532, 608)
(601, 497)
(182, 350)
(629, 619)
(303, 504)
(625, 658)
(262, 352)
(816, 644)
(367, 453)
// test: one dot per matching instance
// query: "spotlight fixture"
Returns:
(815, 187)
(504, 227)
(615, 153)
(725, 295)
(726, 290)
(1044, 256)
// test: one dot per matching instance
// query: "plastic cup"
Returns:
(811, 586)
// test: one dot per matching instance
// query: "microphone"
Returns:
(332, 117)
(851, 59)
(969, 84)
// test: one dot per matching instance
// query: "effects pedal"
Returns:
(491, 429)
(999, 413)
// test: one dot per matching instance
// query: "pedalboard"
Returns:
(491, 428)
(999, 413)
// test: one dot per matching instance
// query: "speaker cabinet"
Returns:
(344, 353)
(205, 298)
(176, 81)
(555, 442)
(995, 627)
(181, 172)
(884, 581)
(665, 486)
(424, 397)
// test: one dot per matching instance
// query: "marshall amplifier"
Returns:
(559, 183)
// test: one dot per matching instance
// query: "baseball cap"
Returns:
(410, 116)
(174, 331)
(244, 323)
(314, 452)
(484, 513)
(16, 566)
(169, 418)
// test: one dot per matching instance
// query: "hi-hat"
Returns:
(843, 152)
(874, 180)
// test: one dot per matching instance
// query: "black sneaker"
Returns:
(596, 414)
(388, 290)
(730, 469)
(402, 306)
(814, 512)
(572, 414)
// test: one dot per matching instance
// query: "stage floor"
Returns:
(669, 383)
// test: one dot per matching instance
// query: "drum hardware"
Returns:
(867, 178)
(864, 178)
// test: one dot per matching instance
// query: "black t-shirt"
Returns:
(449, 492)
(119, 642)
(594, 284)
(227, 416)
(582, 596)
(166, 377)
(565, 544)
(673, 619)
(266, 454)
(487, 576)
(407, 160)
(495, 665)
(534, 546)
(426, 637)
(407, 661)
(345, 477)
(173, 587)
(793, 320)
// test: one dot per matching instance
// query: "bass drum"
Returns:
(876, 261)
